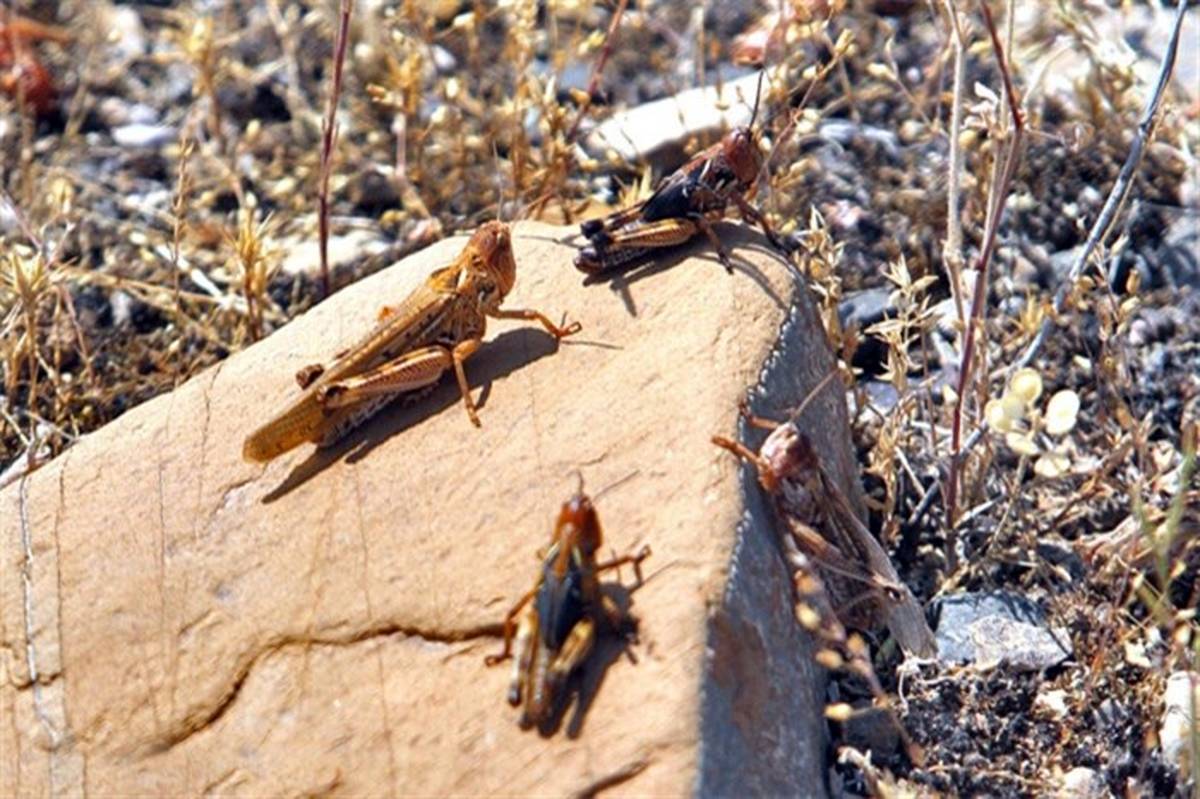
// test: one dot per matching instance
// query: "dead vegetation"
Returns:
(1025, 382)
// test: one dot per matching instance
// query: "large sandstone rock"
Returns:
(177, 622)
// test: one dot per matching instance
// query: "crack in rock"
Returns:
(48, 692)
(201, 719)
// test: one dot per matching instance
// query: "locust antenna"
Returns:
(816, 390)
(614, 484)
(757, 97)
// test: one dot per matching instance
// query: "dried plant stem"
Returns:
(952, 250)
(598, 68)
(178, 209)
(1103, 223)
(328, 137)
(979, 299)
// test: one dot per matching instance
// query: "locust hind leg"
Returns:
(413, 370)
(527, 638)
(652, 235)
(592, 228)
(417, 369)
(571, 655)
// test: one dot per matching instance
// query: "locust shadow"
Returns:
(583, 686)
(508, 352)
(735, 237)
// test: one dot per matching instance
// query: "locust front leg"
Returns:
(766, 476)
(636, 560)
(715, 240)
(761, 422)
(417, 369)
(752, 214)
(510, 624)
(536, 316)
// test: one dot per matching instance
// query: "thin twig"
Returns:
(952, 250)
(328, 136)
(1116, 196)
(979, 300)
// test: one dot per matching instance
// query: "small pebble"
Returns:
(140, 135)
(998, 628)
(1082, 783)
(1178, 722)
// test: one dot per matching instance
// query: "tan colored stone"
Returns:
(176, 621)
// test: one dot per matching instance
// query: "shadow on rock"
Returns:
(510, 351)
(735, 237)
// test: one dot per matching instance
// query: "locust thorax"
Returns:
(740, 149)
(491, 245)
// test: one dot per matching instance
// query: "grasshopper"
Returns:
(434, 329)
(861, 582)
(557, 629)
(683, 204)
(21, 73)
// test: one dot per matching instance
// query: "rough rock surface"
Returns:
(177, 622)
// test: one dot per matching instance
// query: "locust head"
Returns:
(491, 245)
(740, 149)
(788, 454)
(577, 530)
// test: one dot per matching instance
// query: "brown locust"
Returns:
(818, 522)
(435, 329)
(683, 204)
(561, 613)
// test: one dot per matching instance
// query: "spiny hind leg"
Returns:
(592, 228)
(527, 635)
(417, 369)
(606, 252)
(571, 655)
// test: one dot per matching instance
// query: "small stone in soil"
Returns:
(1001, 627)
